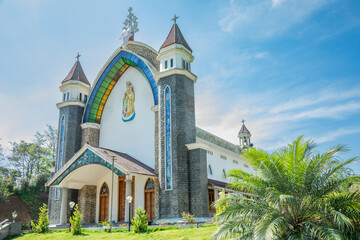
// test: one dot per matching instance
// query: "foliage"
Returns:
(4, 192)
(296, 194)
(140, 222)
(188, 218)
(222, 205)
(107, 226)
(43, 223)
(75, 221)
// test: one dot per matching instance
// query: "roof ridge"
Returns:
(76, 73)
(175, 36)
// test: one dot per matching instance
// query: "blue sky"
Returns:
(287, 67)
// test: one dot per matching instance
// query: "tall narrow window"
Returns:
(187, 66)
(168, 155)
(210, 170)
(67, 96)
(60, 156)
(166, 64)
(64, 98)
(171, 62)
(224, 173)
(183, 63)
(80, 97)
(85, 98)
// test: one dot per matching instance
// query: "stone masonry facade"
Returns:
(87, 203)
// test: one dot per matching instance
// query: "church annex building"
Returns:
(132, 133)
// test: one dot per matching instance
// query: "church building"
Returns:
(131, 135)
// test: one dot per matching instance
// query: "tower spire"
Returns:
(174, 19)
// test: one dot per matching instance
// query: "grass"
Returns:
(194, 233)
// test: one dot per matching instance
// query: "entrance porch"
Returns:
(99, 180)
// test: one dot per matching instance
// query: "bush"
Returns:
(42, 226)
(222, 205)
(140, 222)
(188, 218)
(75, 221)
(107, 226)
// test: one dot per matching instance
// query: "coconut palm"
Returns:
(295, 194)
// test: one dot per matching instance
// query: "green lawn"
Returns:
(186, 233)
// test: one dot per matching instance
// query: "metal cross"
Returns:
(243, 121)
(78, 56)
(174, 19)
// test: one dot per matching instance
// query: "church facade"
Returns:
(133, 133)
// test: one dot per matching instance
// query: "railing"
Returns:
(3, 222)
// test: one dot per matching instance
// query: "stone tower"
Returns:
(182, 173)
(75, 89)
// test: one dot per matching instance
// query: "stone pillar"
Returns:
(128, 193)
(199, 199)
(87, 203)
(64, 204)
(90, 134)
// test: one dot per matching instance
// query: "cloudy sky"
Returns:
(287, 67)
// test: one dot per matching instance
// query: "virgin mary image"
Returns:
(128, 112)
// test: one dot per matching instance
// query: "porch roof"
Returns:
(90, 156)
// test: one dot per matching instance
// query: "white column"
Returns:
(216, 194)
(64, 203)
(128, 193)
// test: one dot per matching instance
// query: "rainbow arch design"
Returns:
(112, 73)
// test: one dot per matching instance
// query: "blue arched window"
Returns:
(168, 157)
(61, 148)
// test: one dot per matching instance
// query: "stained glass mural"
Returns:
(168, 160)
(61, 147)
(149, 184)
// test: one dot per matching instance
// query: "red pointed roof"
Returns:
(244, 129)
(175, 36)
(76, 73)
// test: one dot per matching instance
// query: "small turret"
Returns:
(75, 87)
(175, 52)
(244, 136)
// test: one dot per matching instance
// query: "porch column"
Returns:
(64, 204)
(128, 193)
(216, 194)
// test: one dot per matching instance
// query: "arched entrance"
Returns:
(149, 199)
(104, 203)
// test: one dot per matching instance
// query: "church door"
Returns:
(104, 203)
(149, 199)
(211, 200)
(121, 203)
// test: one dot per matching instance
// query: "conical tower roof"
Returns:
(76, 73)
(244, 130)
(175, 36)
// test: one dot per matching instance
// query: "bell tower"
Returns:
(75, 89)
(182, 172)
(244, 136)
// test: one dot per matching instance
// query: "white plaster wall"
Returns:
(218, 164)
(135, 137)
(140, 181)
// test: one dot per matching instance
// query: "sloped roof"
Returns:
(217, 183)
(244, 129)
(175, 36)
(76, 73)
(127, 162)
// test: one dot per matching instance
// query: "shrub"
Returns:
(140, 222)
(75, 221)
(42, 226)
(222, 205)
(107, 226)
(188, 218)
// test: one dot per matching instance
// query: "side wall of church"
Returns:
(135, 137)
(175, 201)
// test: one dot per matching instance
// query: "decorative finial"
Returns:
(243, 121)
(78, 56)
(174, 19)
(130, 27)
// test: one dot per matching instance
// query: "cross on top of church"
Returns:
(131, 22)
(174, 19)
(243, 121)
(78, 56)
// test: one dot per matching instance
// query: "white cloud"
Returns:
(266, 18)
(333, 135)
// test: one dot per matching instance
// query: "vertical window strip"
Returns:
(60, 156)
(168, 155)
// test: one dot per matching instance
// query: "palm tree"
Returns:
(295, 194)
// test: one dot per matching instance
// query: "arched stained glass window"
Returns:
(168, 158)
(149, 184)
(61, 146)
(104, 189)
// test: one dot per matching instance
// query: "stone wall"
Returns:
(173, 202)
(145, 53)
(90, 136)
(87, 203)
(199, 199)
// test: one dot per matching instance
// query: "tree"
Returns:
(42, 226)
(4, 191)
(296, 194)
